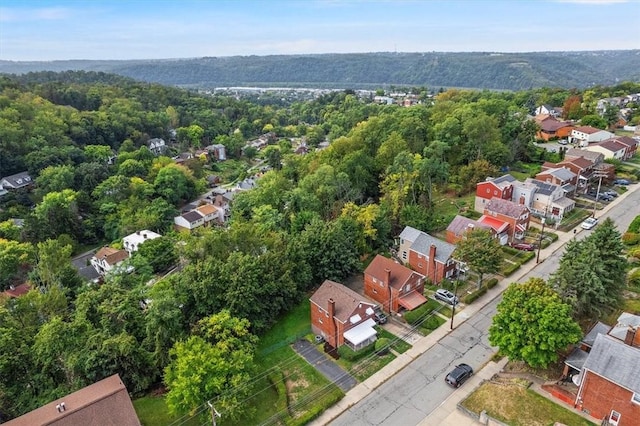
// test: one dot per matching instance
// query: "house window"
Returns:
(636, 398)
(320, 320)
(375, 281)
(614, 417)
(404, 255)
(495, 192)
(375, 291)
(419, 265)
(488, 190)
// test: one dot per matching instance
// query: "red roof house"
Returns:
(393, 285)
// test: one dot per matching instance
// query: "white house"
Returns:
(610, 149)
(157, 146)
(133, 241)
(584, 135)
(107, 259)
(188, 221)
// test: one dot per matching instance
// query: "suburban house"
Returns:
(202, 215)
(619, 148)
(218, 151)
(585, 135)
(108, 259)
(17, 181)
(501, 187)
(546, 109)
(427, 255)
(460, 225)
(581, 167)
(551, 128)
(15, 291)
(393, 285)
(608, 380)
(546, 199)
(223, 203)
(342, 316)
(133, 241)
(105, 403)
(188, 221)
(560, 176)
(515, 215)
(573, 153)
(157, 146)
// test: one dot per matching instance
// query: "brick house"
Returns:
(427, 255)
(342, 316)
(610, 149)
(393, 285)
(580, 166)
(460, 225)
(515, 215)
(501, 187)
(551, 128)
(560, 176)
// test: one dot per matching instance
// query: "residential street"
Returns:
(407, 394)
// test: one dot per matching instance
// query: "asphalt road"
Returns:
(411, 395)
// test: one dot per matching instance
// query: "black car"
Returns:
(379, 316)
(459, 375)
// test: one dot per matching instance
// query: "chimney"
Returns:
(432, 263)
(333, 336)
(630, 337)
(387, 276)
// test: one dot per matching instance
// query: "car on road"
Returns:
(589, 223)
(459, 375)
(621, 182)
(523, 246)
(446, 296)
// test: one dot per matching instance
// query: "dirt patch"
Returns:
(552, 372)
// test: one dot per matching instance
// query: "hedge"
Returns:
(282, 404)
(320, 405)
(635, 225)
(631, 238)
(350, 355)
(468, 298)
(492, 283)
(509, 269)
(417, 314)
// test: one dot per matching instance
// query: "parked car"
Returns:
(523, 246)
(379, 316)
(613, 194)
(621, 182)
(563, 142)
(605, 197)
(446, 296)
(459, 375)
(589, 223)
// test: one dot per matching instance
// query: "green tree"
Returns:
(160, 253)
(594, 120)
(216, 364)
(57, 214)
(175, 183)
(532, 324)
(13, 256)
(54, 179)
(480, 251)
(98, 153)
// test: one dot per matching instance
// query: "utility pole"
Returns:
(543, 220)
(453, 306)
(599, 174)
(214, 413)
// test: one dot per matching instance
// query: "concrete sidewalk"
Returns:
(447, 413)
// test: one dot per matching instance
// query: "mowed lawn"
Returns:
(517, 405)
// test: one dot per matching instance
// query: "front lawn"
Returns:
(515, 404)
(152, 411)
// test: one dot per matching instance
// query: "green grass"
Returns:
(153, 411)
(517, 405)
(296, 323)
(398, 344)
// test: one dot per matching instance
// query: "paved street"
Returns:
(411, 390)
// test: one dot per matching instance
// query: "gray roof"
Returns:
(615, 361)
(18, 180)
(424, 242)
(625, 320)
(460, 224)
(577, 358)
(409, 233)
(543, 187)
(577, 153)
(503, 181)
(564, 202)
(506, 207)
(192, 216)
(561, 173)
(598, 328)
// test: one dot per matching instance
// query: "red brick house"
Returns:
(342, 316)
(610, 380)
(501, 187)
(550, 128)
(515, 215)
(427, 255)
(393, 285)
(560, 176)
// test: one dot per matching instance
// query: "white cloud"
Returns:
(41, 14)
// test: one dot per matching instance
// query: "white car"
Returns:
(589, 223)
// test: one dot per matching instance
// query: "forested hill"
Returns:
(483, 70)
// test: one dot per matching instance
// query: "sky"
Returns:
(159, 29)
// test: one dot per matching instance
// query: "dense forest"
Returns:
(82, 137)
(479, 70)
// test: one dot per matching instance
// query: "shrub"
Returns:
(509, 269)
(382, 345)
(635, 252)
(469, 298)
(277, 380)
(492, 283)
(350, 355)
(431, 323)
(635, 225)
(318, 407)
(417, 314)
(631, 238)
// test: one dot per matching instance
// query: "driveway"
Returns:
(83, 265)
(324, 365)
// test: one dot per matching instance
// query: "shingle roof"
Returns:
(346, 299)
(399, 274)
(580, 162)
(625, 320)
(561, 173)
(206, 209)
(587, 129)
(577, 153)
(544, 188)
(17, 291)
(460, 224)
(611, 145)
(505, 207)
(423, 243)
(104, 403)
(409, 233)
(615, 361)
(598, 328)
(626, 140)
(502, 181)
(192, 216)
(111, 256)
(19, 180)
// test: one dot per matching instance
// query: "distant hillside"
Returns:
(506, 71)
